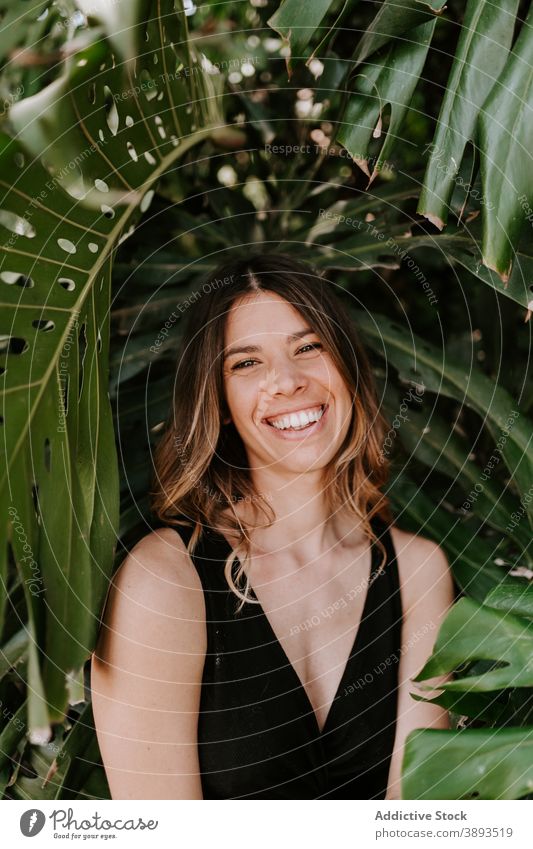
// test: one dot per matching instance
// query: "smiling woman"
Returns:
(254, 646)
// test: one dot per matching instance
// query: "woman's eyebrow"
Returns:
(253, 349)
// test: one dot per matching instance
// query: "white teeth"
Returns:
(298, 420)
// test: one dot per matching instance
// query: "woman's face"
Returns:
(286, 398)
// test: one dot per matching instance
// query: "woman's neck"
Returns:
(302, 529)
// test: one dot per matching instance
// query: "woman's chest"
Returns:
(263, 724)
(312, 623)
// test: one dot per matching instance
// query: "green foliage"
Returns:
(485, 100)
(490, 651)
(117, 204)
(106, 128)
(481, 764)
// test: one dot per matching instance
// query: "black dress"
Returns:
(258, 737)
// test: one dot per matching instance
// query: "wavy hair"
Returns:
(200, 464)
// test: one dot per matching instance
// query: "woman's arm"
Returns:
(427, 595)
(146, 673)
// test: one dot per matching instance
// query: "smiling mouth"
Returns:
(287, 424)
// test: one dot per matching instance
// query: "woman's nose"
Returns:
(289, 378)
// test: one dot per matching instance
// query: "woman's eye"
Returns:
(316, 345)
(244, 363)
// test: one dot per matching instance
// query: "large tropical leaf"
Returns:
(481, 52)
(490, 652)
(388, 80)
(506, 129)
(295, 31)
(69, 767)
(479, 763)
(512, 597)
(486, 101)
(462, 245)
(394, 21)
(473, 631)
(347, 236)
(130, 102)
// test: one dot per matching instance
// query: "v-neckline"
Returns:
(354, 651)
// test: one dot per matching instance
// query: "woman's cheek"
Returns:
(266, 389)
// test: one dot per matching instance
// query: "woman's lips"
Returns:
(304, 433)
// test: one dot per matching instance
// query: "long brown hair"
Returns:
(200, 464)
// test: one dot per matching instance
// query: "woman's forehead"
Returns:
(262, 312)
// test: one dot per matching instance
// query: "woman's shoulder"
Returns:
(148, 662)
(156, 584)
(423, 568)
(159, 557)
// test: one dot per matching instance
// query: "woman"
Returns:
(262, 642)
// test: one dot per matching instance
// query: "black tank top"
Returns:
(258, 737)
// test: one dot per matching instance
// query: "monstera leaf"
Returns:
(473, 631)
(479, 763)
(77, 173)
(489, 647)
(486, 102)
(505, 130)
(481, 53)
(390, 79)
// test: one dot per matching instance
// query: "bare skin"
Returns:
(331, 585)
(147, 668)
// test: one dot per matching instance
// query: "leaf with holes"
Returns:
(481, 53)
(473, 631)
(389, 80)
(127, 104)
(463, 246)
(505, 132)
